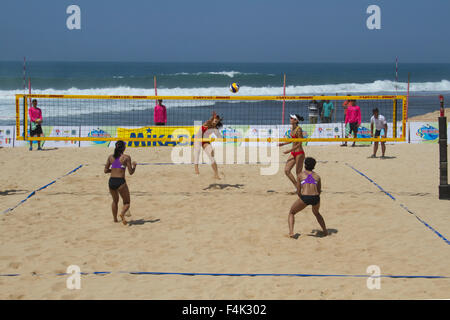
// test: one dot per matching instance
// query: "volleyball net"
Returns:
(245, 118)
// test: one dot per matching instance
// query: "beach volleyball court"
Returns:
(379, 212)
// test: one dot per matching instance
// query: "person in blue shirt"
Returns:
(327, 111)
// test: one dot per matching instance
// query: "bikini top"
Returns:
(117, 164)
(309, 180)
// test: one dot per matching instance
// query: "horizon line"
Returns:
(228, 62)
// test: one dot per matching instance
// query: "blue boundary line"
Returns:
(41, 188)
(401, 205)
(302, 275)
(171, 163)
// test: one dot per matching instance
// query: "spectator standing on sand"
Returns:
(35, 115)
(327, 111)
(353, 118)
(160, 114)
(380, 124)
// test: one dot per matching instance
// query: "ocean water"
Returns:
(137, 78)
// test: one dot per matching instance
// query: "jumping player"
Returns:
(116, 165)
(309, 189)
(209, 127)
(297, 153)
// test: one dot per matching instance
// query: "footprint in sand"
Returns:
(59, 286)
(15, 265)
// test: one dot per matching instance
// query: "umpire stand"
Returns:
(444, 187)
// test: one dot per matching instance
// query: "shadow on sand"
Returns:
(12, 191)
(223, 186)
(141, 222)
(319, 233)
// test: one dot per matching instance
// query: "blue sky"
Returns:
(225, 31)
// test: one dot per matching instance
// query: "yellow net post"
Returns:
(17, 117)
(25, 118)
(394, 119)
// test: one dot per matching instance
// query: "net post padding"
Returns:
(394, 120)
(25, 118)
(17, 117)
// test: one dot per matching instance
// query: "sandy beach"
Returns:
(181, 222)
(431, 116)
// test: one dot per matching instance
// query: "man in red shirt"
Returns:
(160, 114)
(35, 115)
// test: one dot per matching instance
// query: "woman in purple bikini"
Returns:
(309, 187)
(116, 165)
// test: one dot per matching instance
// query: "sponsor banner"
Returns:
(424, 132)
(261, 132)
(308, 130)
(45, 129)
(6, 136)
(98, 132)
(364, 132)
(157, 132)
(390, 132)
(62, 132)
(230, 132)
(420, 132)
(326, 130)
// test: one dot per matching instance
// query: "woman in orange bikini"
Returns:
(209, 127)
(297, 153)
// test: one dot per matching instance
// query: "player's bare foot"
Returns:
(322, 234)
(123, 220)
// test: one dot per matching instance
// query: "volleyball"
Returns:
(234, 87)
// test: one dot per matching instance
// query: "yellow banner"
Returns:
(159, 132)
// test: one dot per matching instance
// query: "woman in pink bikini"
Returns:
(116, 165)
(297, 153)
